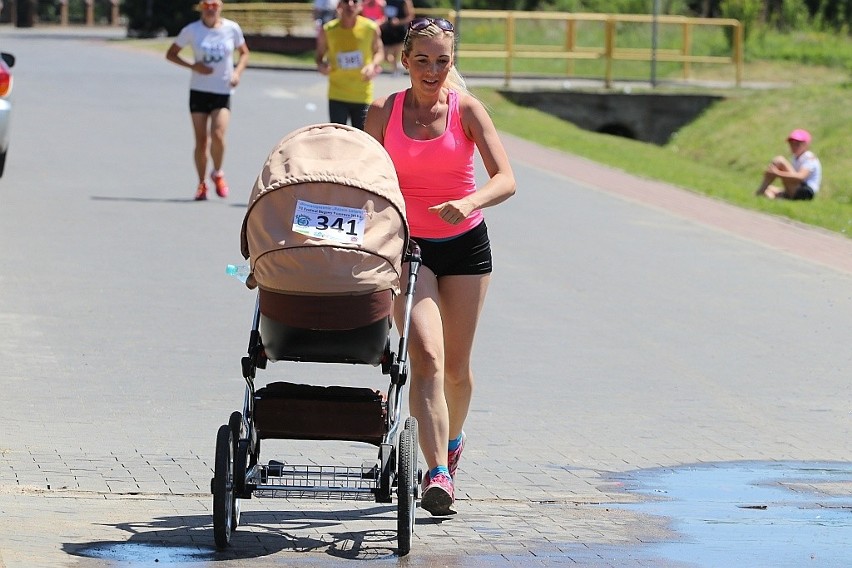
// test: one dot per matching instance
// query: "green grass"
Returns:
(723, 153)
(803, 47)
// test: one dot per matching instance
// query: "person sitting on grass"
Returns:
(800, 177)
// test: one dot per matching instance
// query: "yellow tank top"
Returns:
(349, 50)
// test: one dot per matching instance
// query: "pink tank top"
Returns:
(432, 171)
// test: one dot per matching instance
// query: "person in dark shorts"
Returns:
(349, 52)
(397, 15)
(213, 40)
(801, 176)
(431, 131)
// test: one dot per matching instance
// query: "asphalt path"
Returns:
(619, 335)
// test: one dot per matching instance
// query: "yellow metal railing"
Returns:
(296, 19)
(272, 19)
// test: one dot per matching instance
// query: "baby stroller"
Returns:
(326, 237)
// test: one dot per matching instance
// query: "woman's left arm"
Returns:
(480, 128)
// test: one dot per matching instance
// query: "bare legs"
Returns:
(393, 55)
(790, 185)
(212, 142)
(443, 325)
(462, 298)
(199, 126)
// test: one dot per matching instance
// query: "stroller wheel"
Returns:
(407, 485)
(223, 488)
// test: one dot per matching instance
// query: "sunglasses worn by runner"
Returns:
(418, 24)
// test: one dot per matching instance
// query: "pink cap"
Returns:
(800, 135)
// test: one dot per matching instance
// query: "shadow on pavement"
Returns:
(179, 539)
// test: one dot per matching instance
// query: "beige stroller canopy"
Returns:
(326, 216)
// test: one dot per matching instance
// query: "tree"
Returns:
(746, 11)
(150, 18)
(837, 14)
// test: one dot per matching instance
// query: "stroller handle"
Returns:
(412, 253)
(412, 256)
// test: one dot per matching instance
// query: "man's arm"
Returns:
(321, 51)
(374, 67)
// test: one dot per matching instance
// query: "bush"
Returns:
(836, 15)
(152, 18)
(746, 11)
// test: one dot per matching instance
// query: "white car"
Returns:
(7, 60)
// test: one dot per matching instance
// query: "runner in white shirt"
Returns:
(213, 40)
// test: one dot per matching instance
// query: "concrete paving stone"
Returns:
(149, 487)
(190, 490)
(170, 469)
(147, 475)
(116, 486)
(93, 485)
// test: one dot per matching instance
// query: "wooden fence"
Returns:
(614, 36)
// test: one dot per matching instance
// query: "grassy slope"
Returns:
(723, 153)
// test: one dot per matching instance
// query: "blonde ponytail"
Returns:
(456, 82)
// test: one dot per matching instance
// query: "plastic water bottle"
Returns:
(238, 271)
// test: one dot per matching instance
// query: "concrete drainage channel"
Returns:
(775, 514)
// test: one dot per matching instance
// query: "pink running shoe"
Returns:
(454, 456)
(438, 496)
(222, 188)
(201, 192)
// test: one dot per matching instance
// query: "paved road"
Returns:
(630, 326)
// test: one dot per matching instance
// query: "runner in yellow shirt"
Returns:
(349, 51)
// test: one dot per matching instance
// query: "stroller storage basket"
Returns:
(311, 412)
(318, 482)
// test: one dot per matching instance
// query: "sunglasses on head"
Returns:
(418, 24)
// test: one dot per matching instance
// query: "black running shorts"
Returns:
(466, 254)
(201, 101)
(803, 192)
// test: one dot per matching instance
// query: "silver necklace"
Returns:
(418, 123)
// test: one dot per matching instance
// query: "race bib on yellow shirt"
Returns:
(350, 60)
